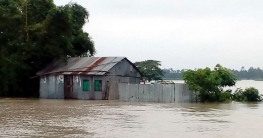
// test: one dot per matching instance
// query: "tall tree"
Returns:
(150, 69)
(33, 33)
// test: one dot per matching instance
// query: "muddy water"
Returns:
(113, 119)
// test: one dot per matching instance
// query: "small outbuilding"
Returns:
(89, 78)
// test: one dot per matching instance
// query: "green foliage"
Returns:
(250, 94)
(210, 83)
(242, 74)
(224, 96)
(150, 69)
(34, 32)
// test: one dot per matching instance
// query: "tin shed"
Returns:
(89, 78)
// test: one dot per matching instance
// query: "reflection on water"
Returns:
(104, 119)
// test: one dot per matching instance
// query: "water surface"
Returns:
(30, 118)
(112, 119)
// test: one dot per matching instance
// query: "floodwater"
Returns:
(30, 118)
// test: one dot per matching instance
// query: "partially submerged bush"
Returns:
(224, 96)
(238, 95)
(250, 94)
(210, 83)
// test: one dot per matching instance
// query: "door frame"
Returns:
(68, 89)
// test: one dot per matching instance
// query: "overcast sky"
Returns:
(179, 33)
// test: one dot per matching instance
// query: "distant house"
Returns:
(85, 77)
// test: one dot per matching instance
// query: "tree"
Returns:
(172, 74)
(33, 33)
(210, 83)
(150, 69)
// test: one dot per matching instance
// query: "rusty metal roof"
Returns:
(82, 65)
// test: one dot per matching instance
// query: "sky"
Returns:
(182, 34)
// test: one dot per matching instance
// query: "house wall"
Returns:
(78, 92)
(51, 87)
(125, 73)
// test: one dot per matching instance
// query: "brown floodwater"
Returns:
(26, 118)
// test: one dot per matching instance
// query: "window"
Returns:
(97, 85)
(86, 85)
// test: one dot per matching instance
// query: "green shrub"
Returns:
(238, 95)
(219, 96)
(224, 96)
(250, 94)
(210, 83)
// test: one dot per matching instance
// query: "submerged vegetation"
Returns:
(250, 94)
(210, 85)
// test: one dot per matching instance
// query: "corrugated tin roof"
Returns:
(82, 65)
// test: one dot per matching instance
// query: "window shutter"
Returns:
(86, 85)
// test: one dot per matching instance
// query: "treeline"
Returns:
(242, 74)
(32, 34)
(250, 74)
(172, 74)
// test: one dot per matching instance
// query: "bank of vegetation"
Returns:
(210, 85)
(32, 34)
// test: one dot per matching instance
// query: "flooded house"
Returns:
(89, 78)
